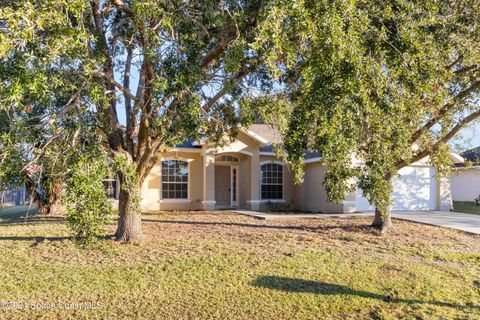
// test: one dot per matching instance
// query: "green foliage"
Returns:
(87, 205)
(129, 181)
(375, 85)
(192, 62)
(280, 206)
(466, 207)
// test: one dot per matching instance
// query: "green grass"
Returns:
(466, 207)
(224, 266)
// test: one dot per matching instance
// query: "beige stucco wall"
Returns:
(247, 149)
(201, 192)
(465, 184)
(309, 196)
(151, 188)
(289, 188)
(312, 193)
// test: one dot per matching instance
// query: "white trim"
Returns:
(230, 162)
(270, 161)
(176, 158)
(283, 179)
(234, 204)
(189, 182)
(457, 158)
(466, 168)
(175, 201)
(226, 150)
(274, 201)
(209, 202)
(419, 164)
(200, 142)
(266, 201)
(267, 153)
(189, 150)
(313, 160)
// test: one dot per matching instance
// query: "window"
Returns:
(272, 181)
(110, 186)
(226, 158)
(174, 179)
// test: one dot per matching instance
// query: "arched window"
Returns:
(174, 179)
(272, 181)
(226, 158)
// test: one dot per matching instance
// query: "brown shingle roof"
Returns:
(266, 132)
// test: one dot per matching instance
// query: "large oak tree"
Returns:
(376, 86)
(171, 70)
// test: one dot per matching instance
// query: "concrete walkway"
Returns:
(454, 220)
(293, 216)
(460, 221)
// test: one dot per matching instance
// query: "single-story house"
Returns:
(466, 183)
(247, 174)
(466, 179)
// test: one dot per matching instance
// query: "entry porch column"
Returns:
(208, 201)
(254, 202)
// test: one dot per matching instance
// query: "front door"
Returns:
(222, 186)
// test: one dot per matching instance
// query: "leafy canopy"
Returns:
(376, 85)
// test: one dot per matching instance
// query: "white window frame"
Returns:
(117, 188)
(218, 158)
(283, 181)
(234, 204)
(176, 200)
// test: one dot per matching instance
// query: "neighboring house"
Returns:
(111, 188)
(14, 197)
(247, 174)
(466, 179)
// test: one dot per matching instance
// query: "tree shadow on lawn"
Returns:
(346, 227)
(322, 288)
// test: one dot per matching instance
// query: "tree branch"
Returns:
(422, 154)
(123, 7)
(227, 84)
(129, 116)
(444, 110)
(114, 131)
(126, 92)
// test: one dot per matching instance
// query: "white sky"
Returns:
(467, 138)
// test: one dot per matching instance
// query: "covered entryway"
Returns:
(415, 189)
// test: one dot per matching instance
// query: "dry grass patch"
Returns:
(218, 265)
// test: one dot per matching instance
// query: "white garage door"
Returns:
(415, 189)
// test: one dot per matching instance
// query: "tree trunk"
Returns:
(35, 197)
(383, 219)
(54, 206)
(54, 198)
(129, 227)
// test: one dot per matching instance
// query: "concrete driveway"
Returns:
(454, 220)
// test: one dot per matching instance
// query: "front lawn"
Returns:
(466, 207)
(223, 266)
